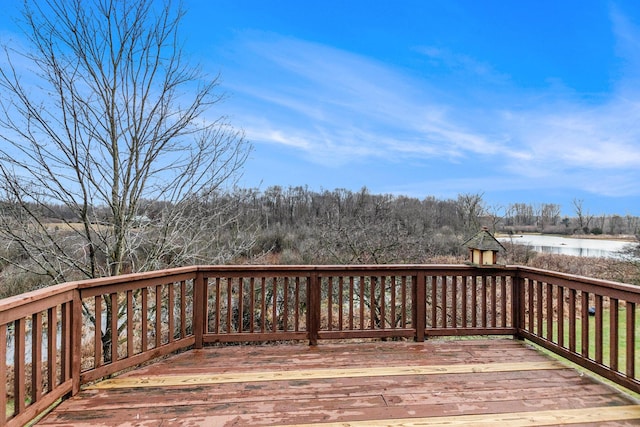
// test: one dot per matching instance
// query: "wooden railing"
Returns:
(56, 339)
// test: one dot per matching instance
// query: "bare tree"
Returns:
(100, 114)
(584, 217)
(470, 209)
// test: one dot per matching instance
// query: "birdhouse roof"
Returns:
(484, 241)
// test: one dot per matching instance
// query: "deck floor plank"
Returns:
(428, 396)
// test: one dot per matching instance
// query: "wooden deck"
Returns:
(438, 382)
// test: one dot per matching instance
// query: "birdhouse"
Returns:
(484, 248)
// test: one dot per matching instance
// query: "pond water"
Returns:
(569, 246)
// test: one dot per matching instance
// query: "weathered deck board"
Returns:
(443, 389)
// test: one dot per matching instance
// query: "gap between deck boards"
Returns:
(512, 419)
(242, 377)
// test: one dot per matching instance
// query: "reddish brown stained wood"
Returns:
(483, 305)
(183, 308)
(351, 314)
(561, 318)
(97, 331)
(503, 301)
(330, 303)
(52, 326)
(340, 302)
(263, 305)
(362, 301)
(144, 314)
(572, 320)
(274, 318)
(454, 301)
(129, 323)
(539, 306)
(631, 330)
(19, 383)
(3, 376)
(170, 312)
(598, 321)
(285, 315)
(36, 356)
(474, 302)
(584, 308)
(67, 342)
(548, 315)
(339, 399)
(113, 327)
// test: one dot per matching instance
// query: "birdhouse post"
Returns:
(483, 248)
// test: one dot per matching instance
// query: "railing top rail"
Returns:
(352, 268)
(624, 287)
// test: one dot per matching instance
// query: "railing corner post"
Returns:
(419, 316)
(199, 305)
(517, 309)
(76, 344)
(313, 308)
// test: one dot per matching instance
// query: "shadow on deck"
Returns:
(437, 382)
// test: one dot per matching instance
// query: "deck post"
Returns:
(517, 304)
(76, 343)
(419, 304)
(313, 308)
(199, 304)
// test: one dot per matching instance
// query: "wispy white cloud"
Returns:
(332, 105)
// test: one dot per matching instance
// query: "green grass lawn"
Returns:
(606, 350)
(606, 334)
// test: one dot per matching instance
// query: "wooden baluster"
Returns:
(158, 326)
(97, 349)
(340, 301)
(631, 338)
(170, 312)
(130, 313)
(444, 296)
(561, 316)
(362, 303)
(530, 294)
(329, 303)
(252, 305)
(297, 304)
(383, 301)
(474, 302)
(240, 304)
(144, 318)
(263, 306)
(614, 342)
(393, 302)
(549, 311)
(114, 327)
(285, 316)
(503, 302)
(274, 281)
(483, 306)
(372, 301)
(494, 302)
(454, 301)
(183, 309)
(584, 307)
(19, 366)
(598, 321)
(3, 376)
(52, 333)
(36, 357)
(572, 320)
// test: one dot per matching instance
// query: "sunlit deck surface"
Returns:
(438, 382)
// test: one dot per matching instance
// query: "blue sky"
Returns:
(535, 102)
